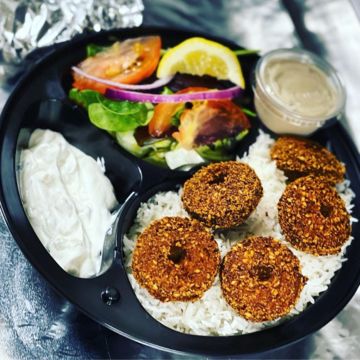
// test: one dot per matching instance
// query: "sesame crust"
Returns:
(300, 157)
(222, 195)
(261, 279)
(176, 259)
(313, 217)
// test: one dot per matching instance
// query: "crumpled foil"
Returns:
(28, 24)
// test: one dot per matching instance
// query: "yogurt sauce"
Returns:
(68, 200)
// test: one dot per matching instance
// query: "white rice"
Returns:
(211, 315)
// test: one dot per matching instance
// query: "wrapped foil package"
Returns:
(28, 24)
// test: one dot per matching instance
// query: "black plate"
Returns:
(40, 100)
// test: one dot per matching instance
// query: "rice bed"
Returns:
(211, 315)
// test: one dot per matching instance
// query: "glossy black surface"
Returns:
(40, 100)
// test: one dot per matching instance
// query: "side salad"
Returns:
(155, 120)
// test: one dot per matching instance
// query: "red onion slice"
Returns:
(156, 84)
(226, 94)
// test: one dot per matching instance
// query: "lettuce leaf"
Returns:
(111, 115)
(93, 49)
(84, 97)
(153, 152)
(118, 116)
(128, 141)
(221, 150)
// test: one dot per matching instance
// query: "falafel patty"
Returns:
(313, 216)
(176, 259)
(222, 195)
(261, 279)
(300, 157)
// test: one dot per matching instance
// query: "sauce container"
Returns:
(296, 92)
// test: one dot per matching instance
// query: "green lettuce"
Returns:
(93, 49)
(111, 115)
(84, 97)
(153, 151)
(220, 150)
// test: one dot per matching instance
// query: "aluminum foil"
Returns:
(28, 24)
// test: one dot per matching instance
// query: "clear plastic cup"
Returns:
(301, 93)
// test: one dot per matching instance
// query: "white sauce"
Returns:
(68, 201)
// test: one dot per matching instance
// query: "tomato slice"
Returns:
(209, 121)
(127, 62)
(160, 123)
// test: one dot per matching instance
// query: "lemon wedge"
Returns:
(199, 56)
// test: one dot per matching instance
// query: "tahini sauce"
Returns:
(299, 97)
(301, 87)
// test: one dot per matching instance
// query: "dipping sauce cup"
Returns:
(296, 92)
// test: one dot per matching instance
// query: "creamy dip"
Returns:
(296, 92)
(301, 87)
(68, 200)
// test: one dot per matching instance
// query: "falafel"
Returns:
(222, 195)
(176, 259)
(300, 157)
(313, 217)
(261, 279)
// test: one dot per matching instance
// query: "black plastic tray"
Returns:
(40, 100)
